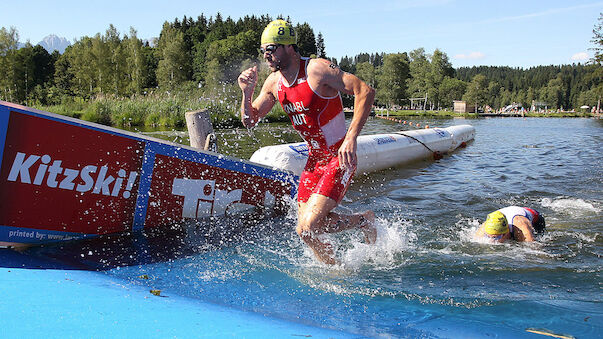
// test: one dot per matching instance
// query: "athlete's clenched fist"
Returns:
(248, 79)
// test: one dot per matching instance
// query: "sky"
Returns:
(511, 33)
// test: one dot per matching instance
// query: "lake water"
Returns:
(426, 276)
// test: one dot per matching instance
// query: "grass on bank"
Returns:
(159, 109)
(167, 109)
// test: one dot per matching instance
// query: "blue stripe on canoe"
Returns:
(4, 115)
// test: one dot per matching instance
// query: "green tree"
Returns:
(450, 90)
(366, 72)
(43, 72)
(224, 57)
(520, 97)
(347, 64)
(598, 40)
(321, 51)
(439, 68)
(63, 76)
(574, 79)
(597, 89)
(173, 67)
(82, 66)
(530, 98)
(589, 98)
(9, 39)
(43, 65)
(135, 63)
(493, 94)
(118, 68)
(151, 62)
(99, 56)
(420, 69)
(306, 42)
(553, 93)
(391, 81)
(215, 31)
(31, 71)
(477, 91)
(505, 97)
(23, 73)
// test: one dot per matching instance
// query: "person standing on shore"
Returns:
(309, 92)
(513, 222)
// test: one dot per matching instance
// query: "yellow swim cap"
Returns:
(279, 32)
(496, 223)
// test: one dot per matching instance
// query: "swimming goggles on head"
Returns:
(269, 49)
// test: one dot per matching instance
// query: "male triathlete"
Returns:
(513, 222)
(308, 90)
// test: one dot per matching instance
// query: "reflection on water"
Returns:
(426, 266)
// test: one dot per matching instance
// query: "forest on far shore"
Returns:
(122, 80)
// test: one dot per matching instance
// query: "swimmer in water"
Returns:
(513, 222)
(309, 92)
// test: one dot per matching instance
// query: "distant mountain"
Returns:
(54, 43)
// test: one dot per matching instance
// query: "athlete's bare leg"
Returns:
(336, 222)
(367, 226)
(315, 217)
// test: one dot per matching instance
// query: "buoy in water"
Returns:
(375, 152)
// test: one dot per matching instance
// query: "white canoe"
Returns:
(376, 152)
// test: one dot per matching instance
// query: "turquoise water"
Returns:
(426, 276)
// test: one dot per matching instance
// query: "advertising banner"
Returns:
(62, 178)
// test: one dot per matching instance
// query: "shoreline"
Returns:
(449, 114)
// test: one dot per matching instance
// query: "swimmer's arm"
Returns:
(364, 96)
(252, 112)
(522, 229)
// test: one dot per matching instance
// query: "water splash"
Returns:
(572, 206)
(393, 239)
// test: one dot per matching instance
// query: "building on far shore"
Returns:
(539, 106)
(463, 107)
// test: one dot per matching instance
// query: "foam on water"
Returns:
(553, 236)
(573, 206)
(393, 238)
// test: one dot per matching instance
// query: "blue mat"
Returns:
(46, 298)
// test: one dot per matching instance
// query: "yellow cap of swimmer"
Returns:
(496, 223)
(279, 32)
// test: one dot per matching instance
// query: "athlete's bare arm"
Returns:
(328, 79)
(522, 229)
(252, 112)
